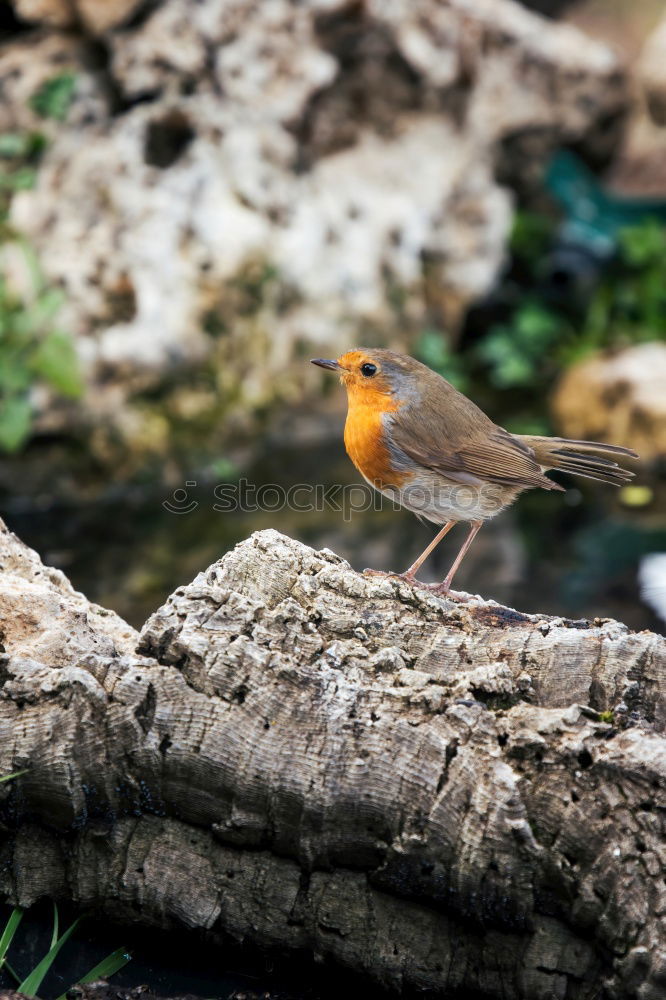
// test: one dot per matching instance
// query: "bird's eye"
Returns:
(368, 370)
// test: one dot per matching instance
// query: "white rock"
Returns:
(259, 162)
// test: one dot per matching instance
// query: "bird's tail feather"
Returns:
(582, 458)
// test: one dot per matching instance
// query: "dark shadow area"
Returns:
(11, 24)
(172, 962)
(167, 139)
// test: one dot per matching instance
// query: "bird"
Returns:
(415, 438)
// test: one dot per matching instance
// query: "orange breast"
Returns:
(364, 441)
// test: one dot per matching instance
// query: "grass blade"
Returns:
(107, 967)
(54, 935)
(12, 972)
(15, 774)
(9, 932)
(34, 980)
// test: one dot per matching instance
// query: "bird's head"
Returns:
(377, 377)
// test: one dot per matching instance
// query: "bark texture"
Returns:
(430, 793)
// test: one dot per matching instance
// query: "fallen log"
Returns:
(441, 796)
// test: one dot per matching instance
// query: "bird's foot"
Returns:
(407, 577)
(392, 575)
(441, 590)
(434, 588)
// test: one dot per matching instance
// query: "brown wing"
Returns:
(451, 435)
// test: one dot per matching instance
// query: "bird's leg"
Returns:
(410, 573)
(445, 587)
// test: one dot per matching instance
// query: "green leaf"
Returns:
(22, 179)
(15, 422)
(433, 350)
(643, 244)
(14, 374)
(107, 967)
(39, 315)
(55, 360)
(513, 371)
(510, 364)
(535, 323)
(21, 145)
(224, 468)
(10, 927)
(531, 235)
(53, 98)
(32, 263)
(34, 980)
(14, 144)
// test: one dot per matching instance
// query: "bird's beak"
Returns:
(324, 363)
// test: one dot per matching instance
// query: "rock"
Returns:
(96, 16)
(618, 398)
(639, 170)
(652, 581)
(43, 618)
(652, 73)
(99, 16)
(436, 795)
(27, 65)
(59, 13)
(289, 175)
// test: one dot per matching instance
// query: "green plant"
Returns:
(514, 351)
(434, 351)
(629, 305)
(20, 155)
(531, 235)
(31, 983)
(32, 350)
(14, 774)
(540, 334)
(53, 98)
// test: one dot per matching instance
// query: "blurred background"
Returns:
(197, 197)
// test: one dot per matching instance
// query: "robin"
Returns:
(415, 438)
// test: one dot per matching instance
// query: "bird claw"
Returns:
(392, 575)
(453, 595)
(441, 591)
(435, 588)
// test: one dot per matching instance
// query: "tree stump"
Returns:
(443, 796)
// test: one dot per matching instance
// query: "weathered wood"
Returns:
(448, 796)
